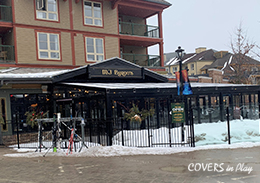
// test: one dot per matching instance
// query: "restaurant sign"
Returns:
(178, 113)
(115, 73)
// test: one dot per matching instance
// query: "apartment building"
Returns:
(72, 33)
(38, 37)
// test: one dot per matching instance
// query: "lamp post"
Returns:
(179, 52)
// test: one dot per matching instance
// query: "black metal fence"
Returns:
(118, 131)
(147, 134)
(238, 124)
(103, 132)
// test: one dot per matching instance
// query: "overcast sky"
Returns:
(207, 23)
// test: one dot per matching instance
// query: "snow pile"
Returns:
(108, 151)
(216, 133)
(244, 134)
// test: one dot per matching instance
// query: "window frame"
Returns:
(192, 67)
(48, 45)
(95, 48)
(174, 69)
(92, 17)
(47, 12)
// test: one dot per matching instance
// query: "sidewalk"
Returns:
(130, 169)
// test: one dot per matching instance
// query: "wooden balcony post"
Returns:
(161, 36)
(160, 24)
(161, 53)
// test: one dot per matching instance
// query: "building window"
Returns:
(192, 67)
(48, 46)
(254, 69)
(92, 13)
(174, 69)
(47, 10)
(94, 49)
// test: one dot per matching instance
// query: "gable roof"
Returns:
(82, 74)
(93, 72)
(207, 55)
(226, 62)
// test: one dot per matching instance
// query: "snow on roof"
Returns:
(4, 75)
(230, 59)
(224, 66)
(175, 60)
(187, 59)
(172, 61)
(147, 85)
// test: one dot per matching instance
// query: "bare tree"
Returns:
(241, 63)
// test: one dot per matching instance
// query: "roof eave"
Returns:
(166, 3)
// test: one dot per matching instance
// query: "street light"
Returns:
(179, 52)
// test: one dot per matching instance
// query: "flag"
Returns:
(186, 86)
(177, 74)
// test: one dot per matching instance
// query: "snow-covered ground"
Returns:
(244, 134)
(216, 133)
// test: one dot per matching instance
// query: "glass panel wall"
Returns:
(212, 113)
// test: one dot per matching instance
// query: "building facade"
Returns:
(72, 33)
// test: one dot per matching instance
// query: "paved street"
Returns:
(130, 169)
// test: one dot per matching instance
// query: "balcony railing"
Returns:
(6, 13)
(138, 29)
(6, 53)
(143, 60)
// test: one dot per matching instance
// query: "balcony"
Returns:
(142, 60)
(138, 29)
(6, 13)
(6, 54)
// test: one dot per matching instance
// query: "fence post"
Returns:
(228, 125)
(192, 128)
(169, 122)
(122, 130)
(54, 137)
(17, 130)
(40, 134)
(148, 127)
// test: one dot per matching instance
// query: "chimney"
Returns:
(200, 49)
(220, 54)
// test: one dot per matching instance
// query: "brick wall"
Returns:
(205, 79)
(216, 75)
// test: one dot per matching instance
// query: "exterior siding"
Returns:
(111, 47)
(201, 64)
(26, 46)
(110, 21)
(28, 54)
(79, 49)
(66, 50)
(26, 23)
(25, 14)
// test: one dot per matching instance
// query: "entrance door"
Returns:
(65, 107)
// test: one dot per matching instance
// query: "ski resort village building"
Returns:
(89, 59)
(103, 93)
